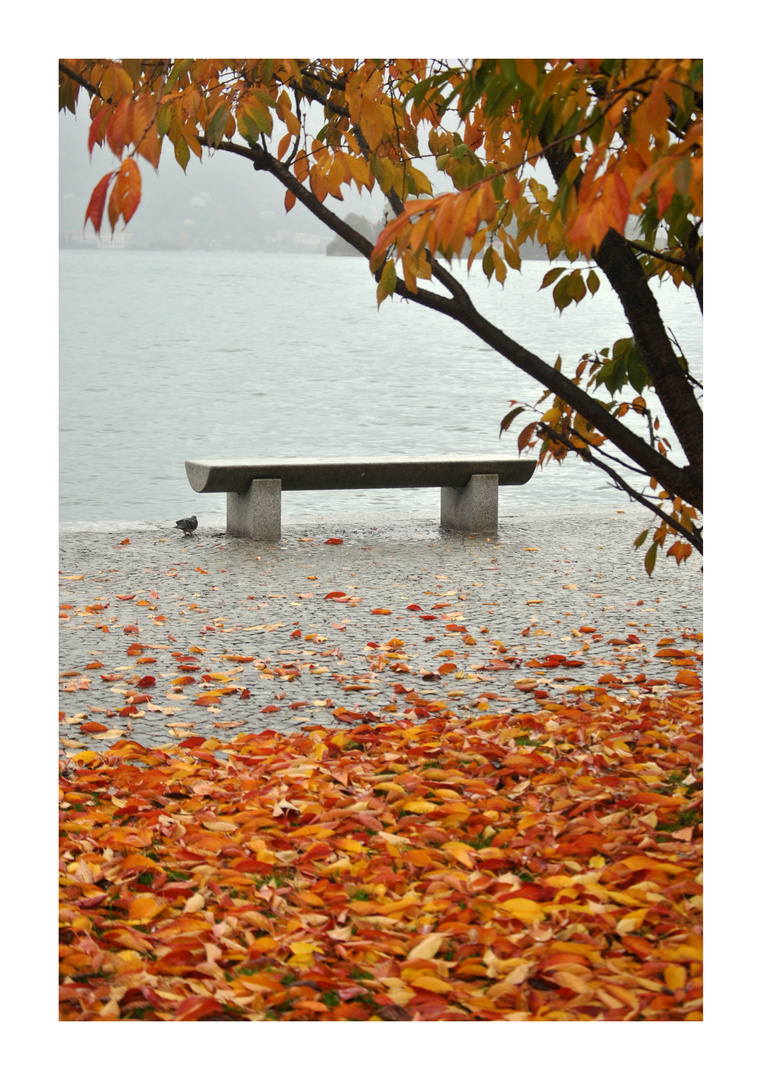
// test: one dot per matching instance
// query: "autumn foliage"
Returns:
(623, 140)
(446, 826)
(542, 866)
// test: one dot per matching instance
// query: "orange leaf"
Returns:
(145, 907)
(212, 698)
(688, 678)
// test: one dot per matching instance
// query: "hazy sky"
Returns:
(223, 180)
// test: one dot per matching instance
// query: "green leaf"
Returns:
(508, 419)
(389, 277)
(650, 559)
(613, 374)
(217, 125)
(577, 288)
(561, 295)
(488, 262)
(252, 122)
(641, 539)
(179, 71)
(387, 282)
(636, 370)
(164, 118)
(182, 153)
(593, 282)
(551, 276)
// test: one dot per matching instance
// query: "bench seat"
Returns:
(469, 486)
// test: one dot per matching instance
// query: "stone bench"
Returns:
(469, 486)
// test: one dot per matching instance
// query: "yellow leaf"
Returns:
(347, 844)
(427, 948)
(304, 948)
(572, 982)
(528, 911)
(632, 921)
(551, 416)
(675, 976)
(432, 983)
(418, 806)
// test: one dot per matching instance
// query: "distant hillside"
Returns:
(370, 230)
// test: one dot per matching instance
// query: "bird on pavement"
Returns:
(187, 525)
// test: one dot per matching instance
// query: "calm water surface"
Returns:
(172, 355)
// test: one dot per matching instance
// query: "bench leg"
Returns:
(255, 514)
(473, 508)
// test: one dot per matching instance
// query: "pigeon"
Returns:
(187, 525)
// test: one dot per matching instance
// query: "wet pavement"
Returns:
(421, 621)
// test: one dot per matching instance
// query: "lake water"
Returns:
(172, 355)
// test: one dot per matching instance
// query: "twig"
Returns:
(694, 538)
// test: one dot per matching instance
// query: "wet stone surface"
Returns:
(422, 623)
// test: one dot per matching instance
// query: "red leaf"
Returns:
(147, 680)
(333, 595)
(334, 540)
(96, 128)
(95, 207)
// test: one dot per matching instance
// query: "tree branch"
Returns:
(694, 538)
(71, 74)
(673, 479)
(658, 254)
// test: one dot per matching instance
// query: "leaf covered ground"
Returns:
(526, 866)
(434, 780)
